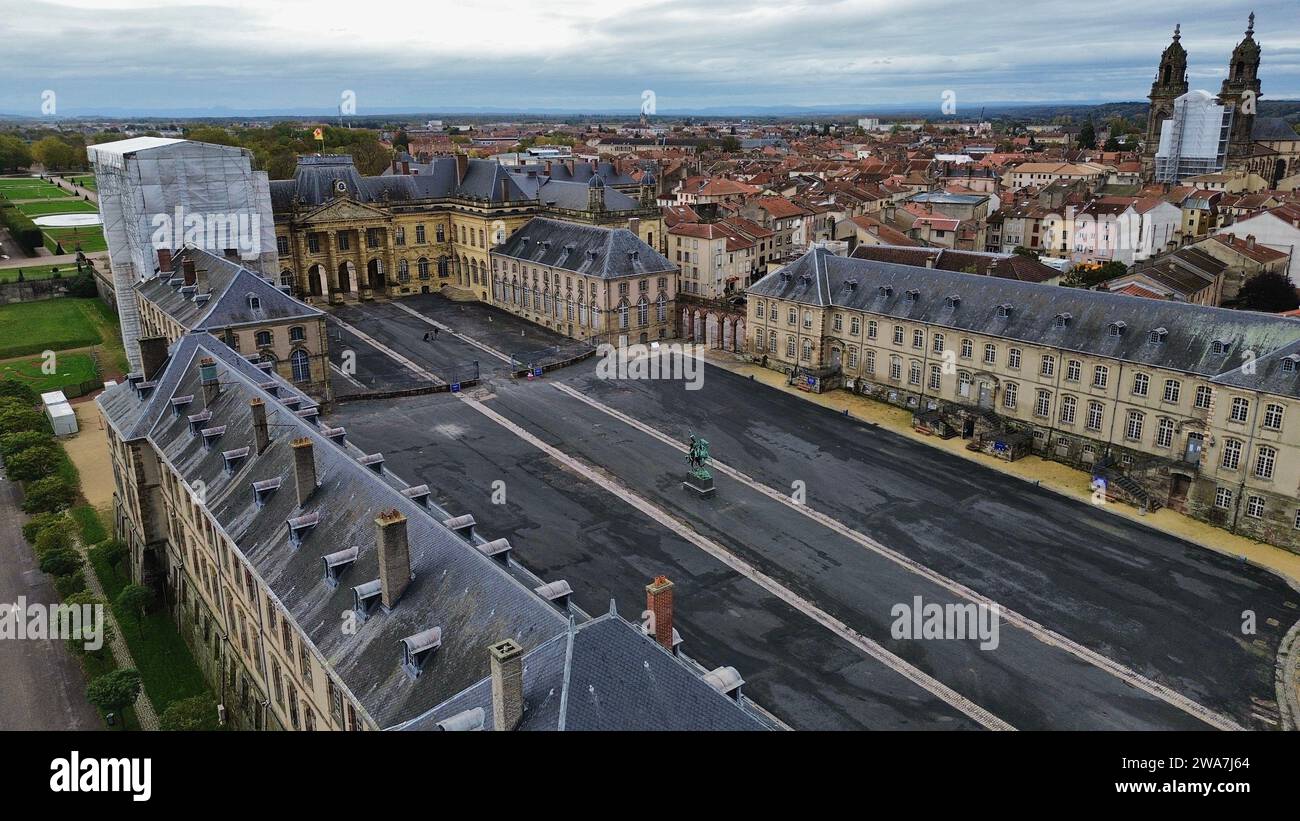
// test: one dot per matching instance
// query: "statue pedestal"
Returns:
(701, 487)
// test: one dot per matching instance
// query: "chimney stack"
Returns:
(406, 167)
(507, 661)
(1250, 242)
(208, 379)
(659, 601)
(260, 432)
(164, 260)
(462, 167)
(634, 225)
(153, 353)
(394, 556)
(187, 265)
(304, 469)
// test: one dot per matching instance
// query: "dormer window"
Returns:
(336, 563)
(885, 291)
(1004, 311)
(1063, 320)
(292, 402)
(365, 597)
(262, 490)
(197, 421)
(1117, 328)
(180, 403)
(557, 593)
(335, 435)
(211, 435)
(310, 414)
(851, 284)
(234, 458)
(418, 494)
(374, 461)
(1157, 336)
(913, 295)
(1218, 346)
(417, 649)
(202, 299)
(1289, 363)
(952, 300)
(254, 302)
(270, 387)
(300, 526)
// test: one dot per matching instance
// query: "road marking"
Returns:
(485, 348)
(977, 713)
(1037, 630)
(389, 352)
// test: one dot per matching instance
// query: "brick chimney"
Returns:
(1250, 242)
(164, 259)
(187, 265)
(261, 433)
(659, 601)
(153, 353)
(209, 381)
(304, 469)
(634, 225)
(394, 556)
(507, 661)
(462, 167)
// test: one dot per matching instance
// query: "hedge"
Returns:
(24, 231)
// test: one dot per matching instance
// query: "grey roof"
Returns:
(227, 286)
(820, 278)
(605, 674)
(946, 197)
(315, 179)
(1272, 128)
(570, 195)
(469, 596)
(585, 249)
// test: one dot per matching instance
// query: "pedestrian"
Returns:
(435, 333)
(426, 336)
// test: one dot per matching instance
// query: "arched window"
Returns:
(422, 267)
(301, 365)
(643, 312)
(403, 271)
(444, 268)
(622, 314)
(661, 308)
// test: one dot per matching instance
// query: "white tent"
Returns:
(63, 419)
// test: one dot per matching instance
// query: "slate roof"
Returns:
(605, 674)
(1006, 266)
(315, 179)
(584, 249)
(571, 195)
(1267, 129)
(820, 278)
(473, 599)
(227, 286)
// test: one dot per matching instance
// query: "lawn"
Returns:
(40, 190)
(65, 269)
(70, 369)
(68, 206)
(89, 238)
(160, 654)
(51, 324)
(87, 181)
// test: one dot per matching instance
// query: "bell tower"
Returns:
(1169, 85)
(1241, 90)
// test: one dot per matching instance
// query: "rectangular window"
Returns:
(1141, 384)
(1009, 395)
(898, 334)
(1133, 428)
(1100, 376)
(1203, 396)
(1231, 454)
(990, 354)
(1073, 369)
(1172, 389)
(1043, 405)
(1255, 507)
(871, 329)
(1240, 409)
(1013, 358)
(1223, 498)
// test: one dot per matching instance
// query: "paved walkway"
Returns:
(1054, 476)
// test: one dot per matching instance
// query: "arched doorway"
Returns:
(316, 280)
(375, 274)
(347, 277)
(697, 325)
(738, 336)
(711, 331)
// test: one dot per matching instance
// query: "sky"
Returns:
(291, 56)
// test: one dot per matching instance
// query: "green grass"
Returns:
(90, 238)
(89, 524)
(69, 369)
(160, 654)
(39, 191)
(51, 324)
(70, 206)
(66, 270)
(87, 182)
(98, 666)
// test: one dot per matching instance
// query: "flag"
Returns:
(319, 134)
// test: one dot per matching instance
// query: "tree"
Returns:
(730, 144)
(135, 599)
(14, 153)
(1021, 250)
(1112, 144)
(50, 494)
(43, 522)
(13, 420)
(211, 134)
(51, 539)
(104, 629)
(11, 443)
(115, 691)
(54, 153)
(34, 462)
(110, 551)
(1089, 277)
(197, 713)
(63, 561)
(1087, 136)
(1272, 292)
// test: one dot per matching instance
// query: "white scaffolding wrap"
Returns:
(1195, 140)
(155, 193)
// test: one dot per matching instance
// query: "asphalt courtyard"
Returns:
(1105, 624)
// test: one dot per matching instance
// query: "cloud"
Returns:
(301, 54)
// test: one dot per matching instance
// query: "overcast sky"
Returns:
(445, 56)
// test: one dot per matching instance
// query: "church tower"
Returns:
(1240, 90)
(1169, 85)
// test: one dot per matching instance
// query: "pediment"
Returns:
(343, 210)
